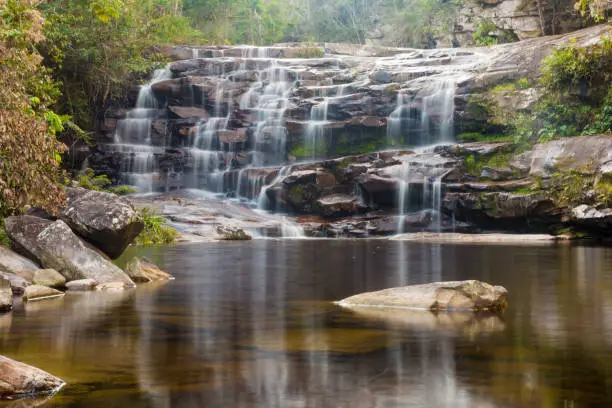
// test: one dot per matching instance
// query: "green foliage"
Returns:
(482, 137)
(579, 71)
(308, 52)
(482, 34)
(30, 154)
(576, 87)
(594, 9)
(4, 241)
(155, 231)
(98, 48)
(122, 190)
(89, 180)
(523, 83)
(568, 187)
(475, 163)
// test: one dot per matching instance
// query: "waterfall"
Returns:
(132, 138)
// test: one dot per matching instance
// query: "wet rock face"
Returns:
(448, 296)
(504, 210)
(107, 221)
(19, 380)
(55, 246)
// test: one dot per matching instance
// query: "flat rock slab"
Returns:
(457, 238)
(470, 295)
(37, 292)
(19, 380)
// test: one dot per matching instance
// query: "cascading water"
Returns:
(229, 119)
(132, 139)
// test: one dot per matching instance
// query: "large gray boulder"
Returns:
(55, 246)
(109, 222)
(19, 380)
(6, 296)
(452, 296)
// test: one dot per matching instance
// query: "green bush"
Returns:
(155, 231)
(122, 190)
(308, 52)
(585, 72)
(482, 34)
(90, 181)
(4, 241)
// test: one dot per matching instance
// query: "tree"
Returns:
(29, 151)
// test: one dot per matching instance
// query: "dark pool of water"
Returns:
(251, 325)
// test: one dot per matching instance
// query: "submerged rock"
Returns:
(82, 285)
(38, 292)
(112, 286)
(452, 296)
(48, 277)
(19, 380)
(55, 246)
(109, 222)
(6, 295)
(143, 270)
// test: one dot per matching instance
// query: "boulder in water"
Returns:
(6, 295)
(470, 295)
(82, 285)
(48, 277)
(19, 380)
(55, 246)
(38, 292)
(109, 222)
(143, 270)
(229, 233)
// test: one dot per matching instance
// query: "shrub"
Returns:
(310, 51)
(155, 231)
(482, 35)
(4, 241)
(30, 154)
(122, 190)
(585, 70)
(90, 181)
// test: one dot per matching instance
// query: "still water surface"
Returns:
(251, 325)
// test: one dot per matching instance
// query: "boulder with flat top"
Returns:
(470, 295)
(107, 221)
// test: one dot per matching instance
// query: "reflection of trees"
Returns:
(239, 328)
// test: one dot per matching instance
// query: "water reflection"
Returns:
(251, 325)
